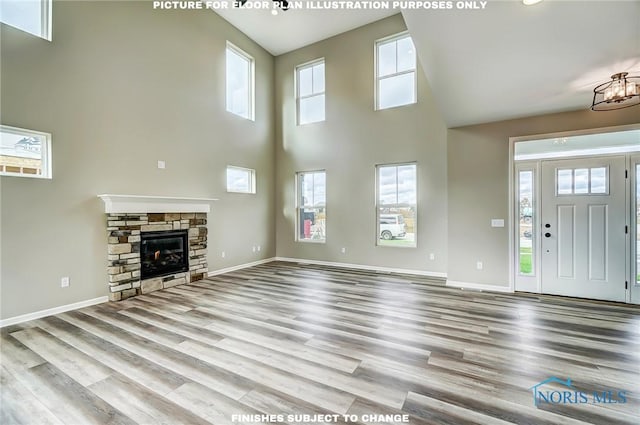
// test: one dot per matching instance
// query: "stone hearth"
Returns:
(124, 230)
(129, 216)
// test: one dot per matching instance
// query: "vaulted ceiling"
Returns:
(504, 61)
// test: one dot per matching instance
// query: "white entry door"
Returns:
(582, 225)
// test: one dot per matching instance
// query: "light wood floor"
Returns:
(283, 339)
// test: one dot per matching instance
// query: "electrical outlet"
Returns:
(253, 248)
(64, 282)
(223, 254)
(432, 256)
(479, 265)
(258, 248)
(343, 250)
(161, 164)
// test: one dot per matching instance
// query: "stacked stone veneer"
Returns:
(124, 251)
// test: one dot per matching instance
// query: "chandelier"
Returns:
(621, 92)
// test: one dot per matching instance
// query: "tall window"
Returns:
(24, 153)
(312, 206)
(310, 92)
(241, 180)
(32, 16)
(397, 204)
(526, 209)
(395, 72)
(240, 82)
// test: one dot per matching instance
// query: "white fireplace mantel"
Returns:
(154, 204)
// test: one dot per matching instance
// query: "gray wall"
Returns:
(348, 145)
(120, 87)
(478, 179)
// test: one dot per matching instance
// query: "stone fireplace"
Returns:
(154, 243)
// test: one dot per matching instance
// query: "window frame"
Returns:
(302, 67)
(252, 180)
(46, 168)
(378, 204)
(46, 18)
(385, 40)
(299, 207)
(251, 84)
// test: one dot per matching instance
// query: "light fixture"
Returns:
(530, 2)
(621, 92)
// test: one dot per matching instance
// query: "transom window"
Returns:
(395, 72)
(396, 205)
(24, 153)
(312, 206)
(310, 92)
(582, 181)
(241, 180)
(32, 16)
(240, 82)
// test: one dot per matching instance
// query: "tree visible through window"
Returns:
(397, 205)
(312, 206)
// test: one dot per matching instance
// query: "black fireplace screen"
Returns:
(163, 253)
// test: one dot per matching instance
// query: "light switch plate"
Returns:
(497, 222)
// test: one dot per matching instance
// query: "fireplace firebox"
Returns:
(163, 253)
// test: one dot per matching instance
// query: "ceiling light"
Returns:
(621, 92)
(530, 2)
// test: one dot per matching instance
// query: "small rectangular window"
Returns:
(582, 181)
(32, 16)
(24, 153)
(240, 82)
(241, 180)
(395, 72)
(396, 205)
(310, 92)
(311, 206)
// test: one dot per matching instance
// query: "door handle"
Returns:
(547, 235)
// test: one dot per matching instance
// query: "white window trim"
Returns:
(46, 21)
(377, 78)
(252, 180)
(299, 68)
(299, 207)
(377, 205)
(47, 172)
(252, 81)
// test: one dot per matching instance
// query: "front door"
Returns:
(582, 228)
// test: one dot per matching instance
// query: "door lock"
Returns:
(547, 235)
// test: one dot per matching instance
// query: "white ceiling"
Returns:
(295, 28)
(505, 61)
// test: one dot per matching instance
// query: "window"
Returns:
(312, 206)
(395, 72)
(582, 181)
(396, 205)
(32, 16)
(241, 180)
(310, 92)
(526, 201)
(24, 153)
(240, 82)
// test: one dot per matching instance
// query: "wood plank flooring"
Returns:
(288, 339)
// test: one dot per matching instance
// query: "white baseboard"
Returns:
(478, 286)
(363, 267)
(240, 266)
(51, 311)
